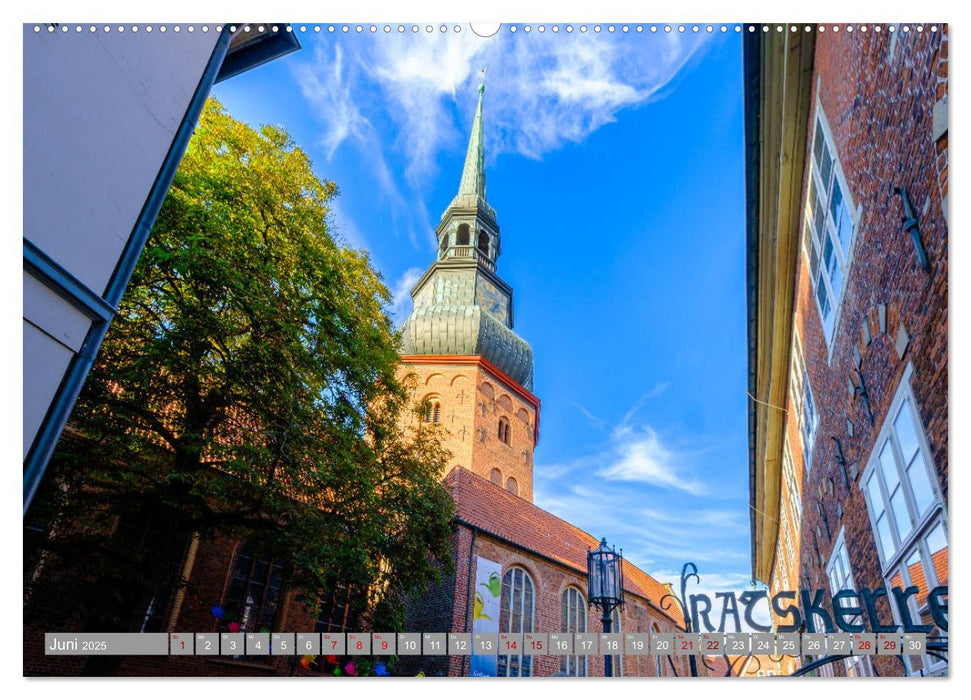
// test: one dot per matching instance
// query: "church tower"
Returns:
(473, 370)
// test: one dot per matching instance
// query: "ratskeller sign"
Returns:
(808, 608)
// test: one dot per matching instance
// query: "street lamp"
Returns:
(605, 586)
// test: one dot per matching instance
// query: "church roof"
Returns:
(492, 509)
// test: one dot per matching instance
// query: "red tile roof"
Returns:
(489, 507)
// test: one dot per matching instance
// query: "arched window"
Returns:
(496, 477)
(444, 245)
(433, 410)
(504, 430)
(484, 242)
(512, 486)
(658, 658)
(254, 590)
(462, 238)
(615, 628)
(574, 617)
(516, 612)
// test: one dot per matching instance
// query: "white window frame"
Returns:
(904, 546)
(793, 488)
(618, 628)
(781, 569)
(524, 663)
(839, 574)
(814, 240)
(801, 398)
(574, 664)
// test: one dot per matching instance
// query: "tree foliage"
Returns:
(248, 387)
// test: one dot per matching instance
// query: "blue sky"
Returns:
(615, 165)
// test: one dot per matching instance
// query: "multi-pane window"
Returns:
(516, 611)
(618, 659)
(828, 227)
(787, 539)
(907, 512)
(254, 591)
(841, 578)
(783, 574)
(574, 616)
(335, 612)
(802, 401)
(793, 491)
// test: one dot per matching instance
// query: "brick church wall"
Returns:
(473, 401)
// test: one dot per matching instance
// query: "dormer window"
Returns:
(484, 242)
(462, 238)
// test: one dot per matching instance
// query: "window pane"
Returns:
(937, 547)
(818, 143)
(901, 514)
(821, 296)
(884, 537)
(906, 436)
(896, 580)
(874, 495)
(835, 202)
(833, 269)
(888, 467)
(920, 485)
(819, 219)
(813, 260)
(827, 167)
(915, 571)
(844, 230)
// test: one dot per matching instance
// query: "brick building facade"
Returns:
(848, 312)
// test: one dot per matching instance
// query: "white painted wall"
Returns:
(100, 113)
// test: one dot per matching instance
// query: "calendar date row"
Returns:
(488, 644)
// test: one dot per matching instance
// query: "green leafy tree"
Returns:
(250, 386)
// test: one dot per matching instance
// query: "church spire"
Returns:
(473, 183)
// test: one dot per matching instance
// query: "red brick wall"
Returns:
(550, 580)
(473, 400)
(880, 112)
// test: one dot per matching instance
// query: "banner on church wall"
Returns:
(485, 611)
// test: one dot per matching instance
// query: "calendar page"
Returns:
(297, 295)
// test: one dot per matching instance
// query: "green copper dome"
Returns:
(461, 306)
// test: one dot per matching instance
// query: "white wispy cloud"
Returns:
(401, 303)
(543, 90)
(641, 455)
(331, 83)
(596, 421)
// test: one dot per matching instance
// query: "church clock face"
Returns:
(492, 300)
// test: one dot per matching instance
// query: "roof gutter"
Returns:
(751, 85)
(778, 70)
